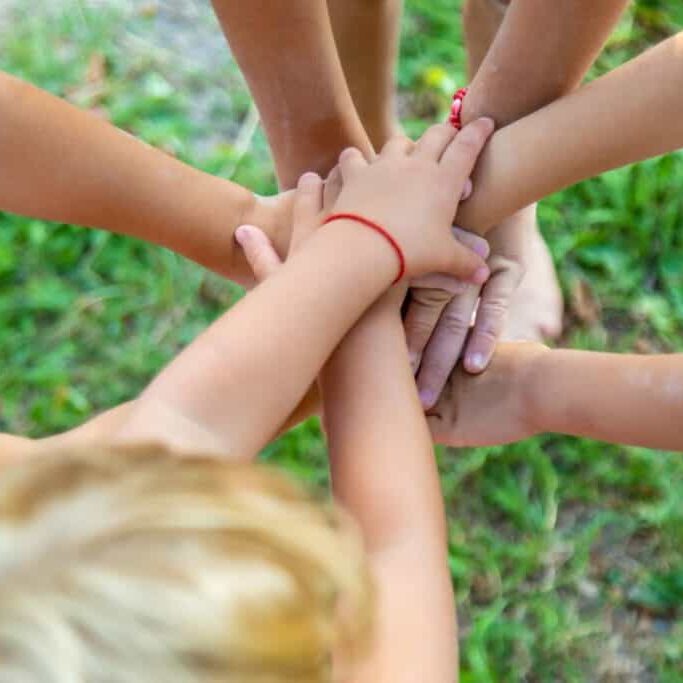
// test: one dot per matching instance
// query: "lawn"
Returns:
(566, 554)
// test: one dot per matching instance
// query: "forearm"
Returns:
(581, 135)
(234, 387)
(96, 432)
(628, 399)
(384, 473)
(63, 164)
(541, 51)
(287, 53)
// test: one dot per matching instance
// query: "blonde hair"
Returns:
(131, 567)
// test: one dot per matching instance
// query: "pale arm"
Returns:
(63, 164)
(384, 473)
(234, 387)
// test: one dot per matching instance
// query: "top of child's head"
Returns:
(130, 566)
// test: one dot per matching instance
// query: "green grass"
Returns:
(566, 554)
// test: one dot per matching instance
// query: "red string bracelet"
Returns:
(379, 229)
(455, 119)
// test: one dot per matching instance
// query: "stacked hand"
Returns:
(448, 320)
(411, 190)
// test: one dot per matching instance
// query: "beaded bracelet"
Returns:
(455, 118)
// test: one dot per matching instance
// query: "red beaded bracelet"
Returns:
(379, 229)
(455, 119)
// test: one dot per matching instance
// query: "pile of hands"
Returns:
(472, 388)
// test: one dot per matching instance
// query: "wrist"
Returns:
(539, 390)
(273, 215)
(371, 251)
(207, 213)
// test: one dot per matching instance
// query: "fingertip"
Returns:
(349, 153)
(480, 275)
(244, 233)
(427, 398)
(466, 190)
(309, 181)
(414, 359)
(476, 243)
(487, 123)
(476, 362)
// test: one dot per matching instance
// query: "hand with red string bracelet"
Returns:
(408, 196)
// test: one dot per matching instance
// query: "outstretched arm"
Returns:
(384, 473)
(630, 114)
(520, 59)
(63, 164)
(541, 51)
(529, 389)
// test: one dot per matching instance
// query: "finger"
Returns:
(445, 346)
(472, 241)
(333, 187)
(491, 317)
(440, 281)
(308, 203)
(351, 160)
(463, 263)
(447, 282)
(258, 250)
(424, 310)
(397, 146)
(462, 153)
(434, 142)
(466, 190)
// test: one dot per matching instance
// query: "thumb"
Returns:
(258, 250)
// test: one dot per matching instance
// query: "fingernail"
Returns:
(243, 234)
(480, 275)
(414, 359)
(481, 248)
(489, 121)
(308, 179)
(427, 398)
(466, 190)
(475, 362)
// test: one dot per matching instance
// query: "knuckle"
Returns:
(491, 320)
(470, 139)
(512, 269)
(455, 322)
(495, 308)
(418, 330)
(430, 298)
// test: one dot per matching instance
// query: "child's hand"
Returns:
(495, 407)
(308, 203)
(413, 192)
(305, 213)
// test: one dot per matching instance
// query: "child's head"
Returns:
(143, 567)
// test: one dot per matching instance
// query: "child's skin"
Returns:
(317, 93)
(375, 425)
(63, 164)
(511, 76)
(644, 96)
(233, 388)
(529, 389)
(582, 135)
